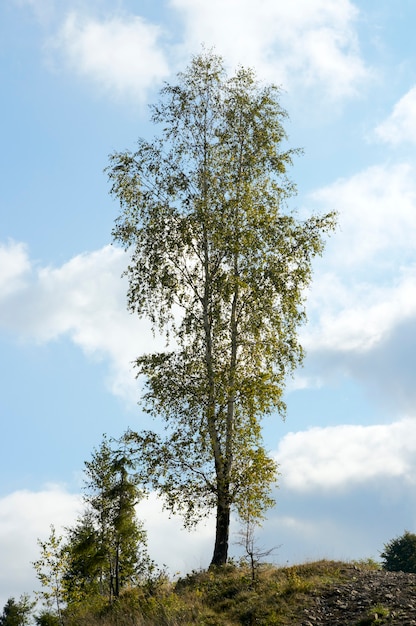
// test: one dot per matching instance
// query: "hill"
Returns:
(324, 593)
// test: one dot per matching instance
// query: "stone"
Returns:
(365, 597)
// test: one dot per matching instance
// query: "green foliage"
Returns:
(105, 552)
(50, 570)
(368, 563)
(11, 614)
(134, 607)
(106, 549)
(17, 613)
(219, 264)
(399, 554)
(378, 614)
(46, 618)
(86, 560)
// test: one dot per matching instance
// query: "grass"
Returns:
(376, 615)
(226, 596)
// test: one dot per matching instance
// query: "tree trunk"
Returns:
(222, 532)
(117, 572)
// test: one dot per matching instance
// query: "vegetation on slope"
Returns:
(323, 593)
(224, 596)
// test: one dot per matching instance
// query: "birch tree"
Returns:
(50, 571)
(220, 265)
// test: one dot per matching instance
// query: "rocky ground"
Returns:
(364, 597)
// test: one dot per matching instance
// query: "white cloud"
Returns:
(344, 456)
(344, 491)
(311, 42)
(346, 317)
(364, 286)
(377, 216)
(26, 516)
(84, 299)
(122, 54)
(363, 290)
(383, 370)
(400, 126)
(14, 267)
(362, 302)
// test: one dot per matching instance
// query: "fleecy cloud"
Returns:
(341, 457)
(362, 302)
(377, 215)
(84, 299)
(26, 516)
(122, 55)
(384, 370)
(357, 300)
(14, 267)
(310, 43)
(400, 125)
(364, 284)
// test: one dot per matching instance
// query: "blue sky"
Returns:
(76, 79)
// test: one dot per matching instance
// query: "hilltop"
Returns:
(323, 593)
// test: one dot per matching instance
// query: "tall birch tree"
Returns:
(219, 264)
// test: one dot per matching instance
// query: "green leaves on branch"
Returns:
(50, 571)
(219, 264)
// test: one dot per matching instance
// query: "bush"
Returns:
(47, 619)
(399, 554)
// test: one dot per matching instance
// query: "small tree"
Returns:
(50, 571)
(17, 613)
(254, 554)
(46, 618)
(11, 614)
(399, 554)
(106, 549)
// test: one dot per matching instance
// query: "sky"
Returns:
(76, 81)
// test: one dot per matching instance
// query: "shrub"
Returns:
(399, 554)
(47, 619)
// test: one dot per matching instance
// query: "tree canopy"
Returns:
(220, 264)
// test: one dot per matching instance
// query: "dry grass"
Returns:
(225, 596)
